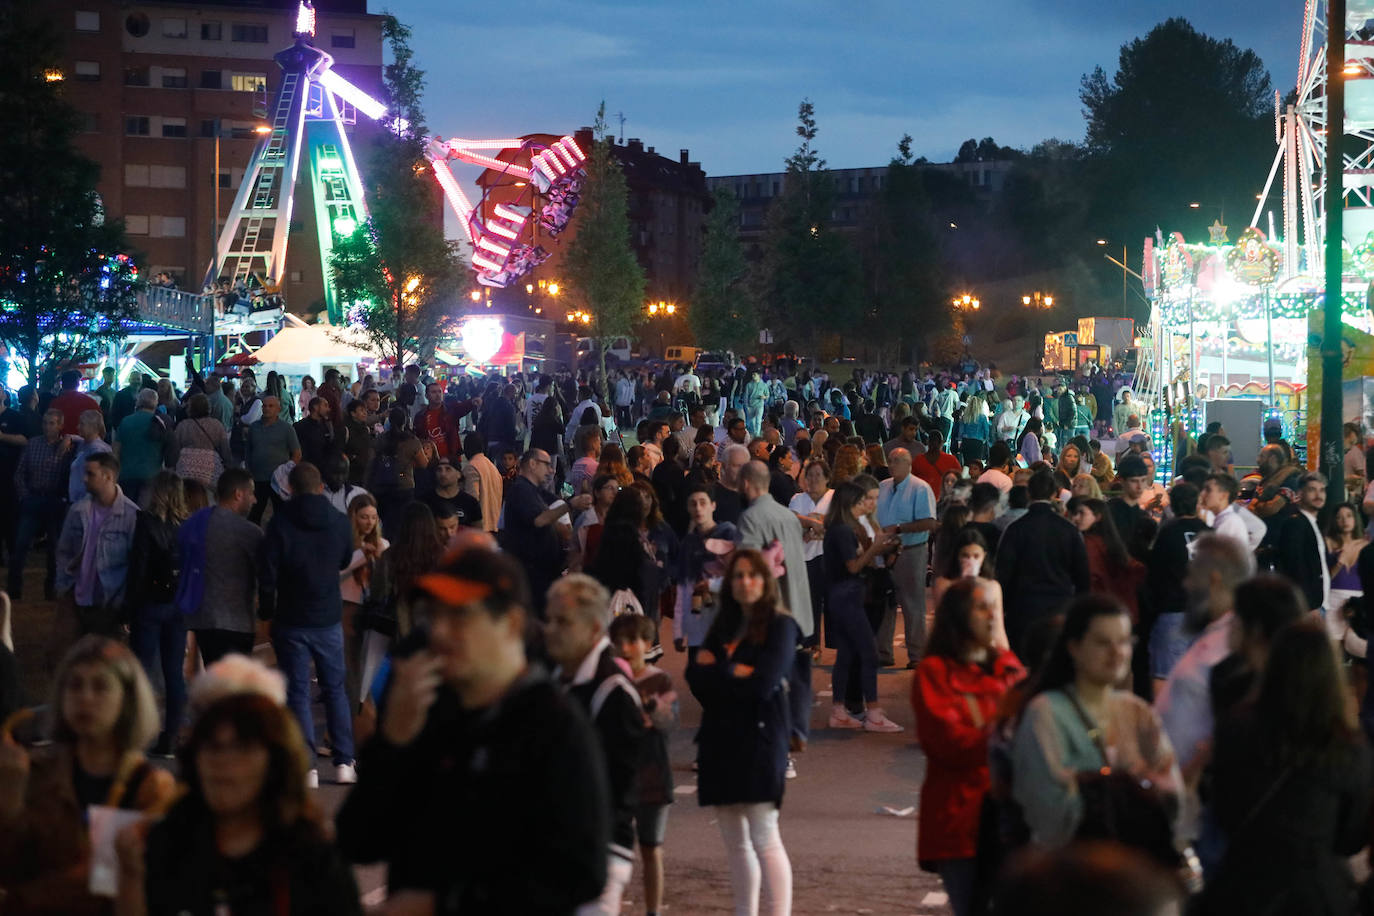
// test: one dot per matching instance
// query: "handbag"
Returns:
(1118, 806)
(200, 464)
(624, 601)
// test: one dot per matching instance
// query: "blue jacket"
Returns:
(745, 722)
(111, 554)
(306, 545)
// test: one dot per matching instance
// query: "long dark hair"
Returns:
(1118, 560)
(1033, 425)
(1302, 702)
(950, 634)
(1082, 611)
(962, 539)
(416, 549)
(732, 622)
(846, 496)
(255, 719)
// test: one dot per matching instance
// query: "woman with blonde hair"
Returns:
(1085, 485)
(102, 716)
(974, 430)
(157, 632)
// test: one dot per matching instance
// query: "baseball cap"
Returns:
(468, 574)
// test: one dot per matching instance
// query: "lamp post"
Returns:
(1037, 302)
(661, 310)
(260, 130)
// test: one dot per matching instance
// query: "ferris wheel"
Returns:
(1300, 131)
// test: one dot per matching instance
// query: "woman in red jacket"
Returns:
(955, 693)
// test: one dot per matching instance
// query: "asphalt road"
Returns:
(846, 856)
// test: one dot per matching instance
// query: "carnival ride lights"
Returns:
(311, 108)
(482, 338)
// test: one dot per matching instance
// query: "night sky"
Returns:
(724, 78)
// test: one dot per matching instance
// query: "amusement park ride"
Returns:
(307, 119)
(1260, 289)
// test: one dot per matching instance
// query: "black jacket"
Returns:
(293, 872)
(154, 560)
(318, 440)
(745, 721)
(619, 719)
(502, 810)
(1041, 564)
(1286, 853)
(1300, 559)
(307, 542)
(358, 447)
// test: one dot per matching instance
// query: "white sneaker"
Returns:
(840, 718)
(345, 774)
(312, 779)
(877, 721)
(791, 769)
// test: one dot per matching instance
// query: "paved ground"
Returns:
(846, 857)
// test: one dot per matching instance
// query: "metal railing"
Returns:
(177, 309)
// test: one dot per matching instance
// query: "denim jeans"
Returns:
(296, 648)
(36, 513)
(799, 694)
(958, 877)
(158, 635)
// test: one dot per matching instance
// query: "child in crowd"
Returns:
(632, 635)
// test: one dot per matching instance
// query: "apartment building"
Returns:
(167, 88)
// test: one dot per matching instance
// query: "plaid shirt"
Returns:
(42, 467)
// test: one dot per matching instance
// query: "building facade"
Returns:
(166, 88)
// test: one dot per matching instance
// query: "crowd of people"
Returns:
(473, 579)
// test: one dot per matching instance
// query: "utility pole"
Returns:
(1330, 461)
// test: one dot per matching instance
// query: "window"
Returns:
(211, 79)
(207, 127)
(211, 31)
(136, 126)
(87, 21)
(135, 225)
(248, 82)
(295, 276)
(88, 70)
(225, 178)
(343, 38)
(169, 227)
(136, 176)
(90, 123)
(244, 31)
(173, 127)
(174, 78)
(167, 176)
(138, 76)
(174, 28)
(137, 24)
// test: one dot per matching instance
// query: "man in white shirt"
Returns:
(689, 383)
(575, 420)
(1229, 519)
(624, 400)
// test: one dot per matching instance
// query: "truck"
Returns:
(1117, 334)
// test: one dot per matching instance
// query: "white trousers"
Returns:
(618, 874)
(756, 855)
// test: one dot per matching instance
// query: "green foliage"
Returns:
(397, 269)
(1185, 118)
(808, 268)
(604, 275)
(723, 316)
(63, 296)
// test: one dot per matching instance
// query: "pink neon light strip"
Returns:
(495, 248)
(480, 261)
(352, 94)
(503, 231)
(507, 213)
(490, 163)
(545, 167)
(457, 143)
(567, 156)
(456, 198)
(576, 150)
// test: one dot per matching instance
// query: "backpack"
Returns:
(385, 473)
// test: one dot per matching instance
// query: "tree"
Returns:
(397, 270)
(903, 258)
(809, 270)
(600, 264)
(1186, 118)
(723, 316)
(67, 286)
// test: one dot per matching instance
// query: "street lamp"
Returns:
(661, 309)
(1125, 272)
(1039, 300)
(966, 303)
